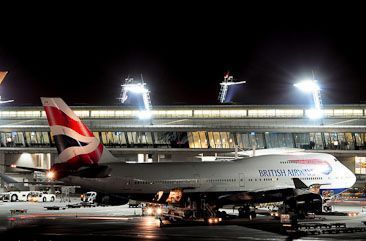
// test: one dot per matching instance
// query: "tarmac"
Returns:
(124, 223)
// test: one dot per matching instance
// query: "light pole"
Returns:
(224, 86)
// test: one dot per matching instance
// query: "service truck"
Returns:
(42, 196)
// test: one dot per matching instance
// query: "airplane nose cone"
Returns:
(353, 178)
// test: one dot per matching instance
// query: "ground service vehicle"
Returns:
(14, 196)
(89, 197)
(42, 196)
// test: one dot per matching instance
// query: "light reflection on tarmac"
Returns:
(123, 223)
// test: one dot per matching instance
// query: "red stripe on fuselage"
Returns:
(310, 161)
(57, 117)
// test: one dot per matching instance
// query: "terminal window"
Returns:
(360, 165)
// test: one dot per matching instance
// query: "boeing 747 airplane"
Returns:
(298, 179)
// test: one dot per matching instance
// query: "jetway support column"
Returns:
(2, 166)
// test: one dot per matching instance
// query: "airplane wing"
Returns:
(42, 183)
(271, 194)
(265, 189)
(27, 168)
(10, 180)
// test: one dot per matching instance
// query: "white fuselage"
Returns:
(255, 174)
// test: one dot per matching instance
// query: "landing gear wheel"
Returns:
(14, 198)
(327, 208)
(246, 212)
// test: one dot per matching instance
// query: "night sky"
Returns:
(81, 53)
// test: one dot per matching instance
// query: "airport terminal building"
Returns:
(181, 133)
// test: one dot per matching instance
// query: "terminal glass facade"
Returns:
(195, 112)
(201, 139)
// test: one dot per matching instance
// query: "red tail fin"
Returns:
(76, 144)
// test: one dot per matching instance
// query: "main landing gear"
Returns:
(247, 211)
(192, 213)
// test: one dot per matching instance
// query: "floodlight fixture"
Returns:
(137, 87)
(308, 86)
(311, 86)
(228, 81)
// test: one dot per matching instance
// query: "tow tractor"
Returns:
(88, 199)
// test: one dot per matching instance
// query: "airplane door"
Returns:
(241, 180)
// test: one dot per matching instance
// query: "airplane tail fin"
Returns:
(76, 144)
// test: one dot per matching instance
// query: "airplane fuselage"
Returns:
(270, 172)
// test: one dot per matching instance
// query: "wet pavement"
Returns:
(123, 223)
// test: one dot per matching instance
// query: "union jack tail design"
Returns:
(76, 144)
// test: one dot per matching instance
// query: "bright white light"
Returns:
(149, 210)
(50, 175)
(144, 114)
(136, 88)
(314, 114)
(312, 87)
(159, 210)
(308, 86)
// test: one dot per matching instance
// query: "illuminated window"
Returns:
(221, 139)
(316, 141)
(360, 165)
(289, 113)
(96, 134)
(279, 140)
(348, 112)
(124, 113)
(102, 113)
(360, 140)
(197, 139)
(243, 140)
(262, 113)
(82, 113)
(207, 113)
(327, 112)
(302, 140)
(161, 138)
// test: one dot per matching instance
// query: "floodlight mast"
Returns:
(138, 87)
(228, 80)
(312, 87)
